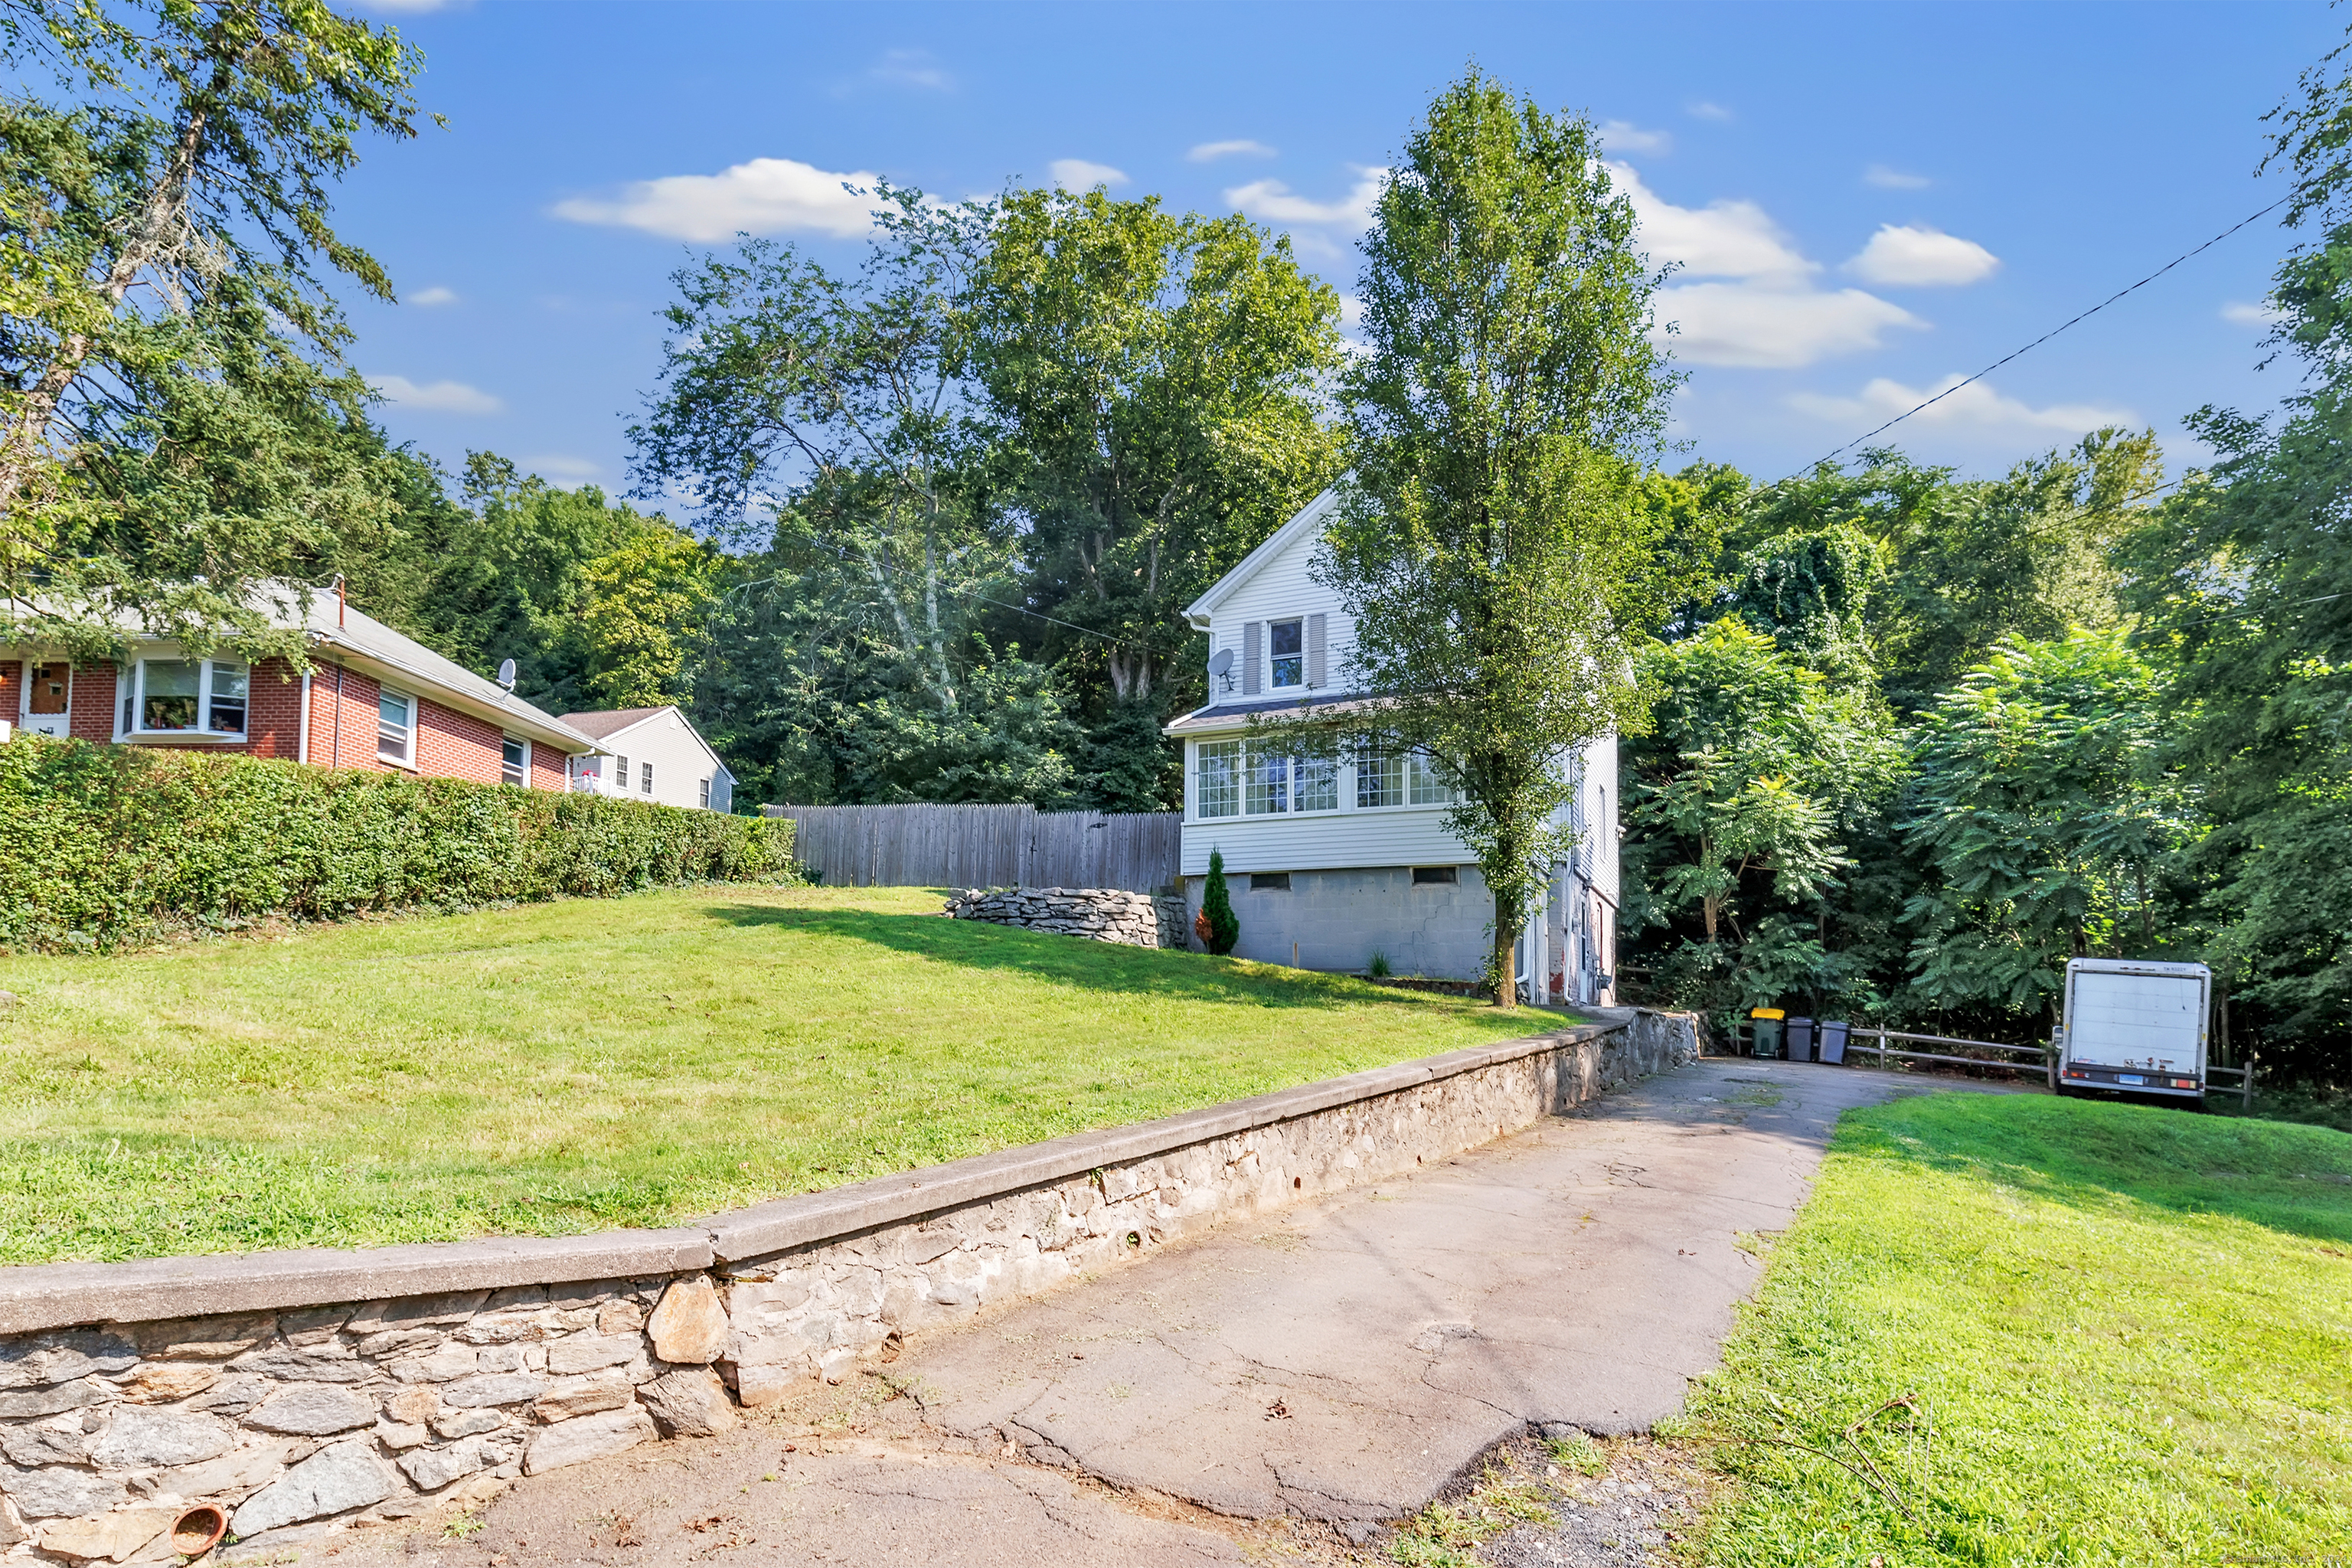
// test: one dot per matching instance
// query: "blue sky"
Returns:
(1865, 200)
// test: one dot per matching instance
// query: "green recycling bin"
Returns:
(1765, 1036)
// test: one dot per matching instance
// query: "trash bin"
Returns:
(1764, 1031)
(1833, 1033)
(1800, 1039)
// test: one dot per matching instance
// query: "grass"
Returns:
(2021, 1329)
(597, 1063)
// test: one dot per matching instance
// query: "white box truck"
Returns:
(2134, 1026)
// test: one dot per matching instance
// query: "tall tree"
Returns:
(1492, 550)
(161, 286)
(1155, 383)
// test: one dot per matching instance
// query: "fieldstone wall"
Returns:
(302, 1419)
(1103, 914)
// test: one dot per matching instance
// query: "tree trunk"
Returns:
(1506, 955)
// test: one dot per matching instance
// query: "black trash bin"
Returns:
(1800, 1039)
(1833, 1033)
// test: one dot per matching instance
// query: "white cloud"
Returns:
(1887, 179)
(1764, 327)
(1624, 136)
(766, 195)
(437, 396)
(1210, 151)
(2239, 314)
(1917, 257)
(910, 68)
(555, 466)
(1770, 317)
(1975, 409)
(1077, 174)
(1722, 239)
(1706, 111)
(1274, 202)
(437, 295)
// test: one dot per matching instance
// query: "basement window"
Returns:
(1435, 877)
(1269, 881)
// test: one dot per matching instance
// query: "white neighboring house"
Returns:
(1329, 862)
(656, 756)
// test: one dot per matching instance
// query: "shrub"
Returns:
(1217, 908)
(104, 845)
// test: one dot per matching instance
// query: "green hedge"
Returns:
(104, 845)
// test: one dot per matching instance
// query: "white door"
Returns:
(48, 697)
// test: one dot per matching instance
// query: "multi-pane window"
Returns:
(620, 774)
(1216, 779)
(1316, 780)
(514, 761)
(1265, 780)
(706, 795)
(1289, 652)
(645, 778)
(395, 727)
(1380, 778)
(169, 696)
(1425, 782)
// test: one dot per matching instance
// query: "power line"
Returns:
(2045, 337)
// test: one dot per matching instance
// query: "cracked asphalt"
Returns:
(1296, 1380)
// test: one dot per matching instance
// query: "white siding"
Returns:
(1324, 841)
(1280, 590)
(680, 764)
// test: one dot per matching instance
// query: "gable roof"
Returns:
(1308, 518)
(339, 625)
(604, 723)
(609, 724)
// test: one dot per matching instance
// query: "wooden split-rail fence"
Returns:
(983, 847)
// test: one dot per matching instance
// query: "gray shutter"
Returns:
(1314, 651)
(1253, 653)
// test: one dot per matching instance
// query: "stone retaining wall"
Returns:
(304, 1392)
(1104, 914)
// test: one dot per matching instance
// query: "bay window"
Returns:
(184, 697)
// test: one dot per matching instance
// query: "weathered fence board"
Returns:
(983, 847)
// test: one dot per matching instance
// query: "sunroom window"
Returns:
(184, 696)
(1216, 779)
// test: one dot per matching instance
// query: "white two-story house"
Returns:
(1332, 860)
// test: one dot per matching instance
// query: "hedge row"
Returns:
(104, 845)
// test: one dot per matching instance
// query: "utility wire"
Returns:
(2045, 337)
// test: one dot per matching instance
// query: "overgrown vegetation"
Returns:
(586, 1064)
(2019, 1329)
(100, 846)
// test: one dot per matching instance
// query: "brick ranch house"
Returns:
(372, 699)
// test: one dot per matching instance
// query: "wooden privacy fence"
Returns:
(983, 847)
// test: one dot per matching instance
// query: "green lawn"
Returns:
(595, 1063)
(2126, 1333)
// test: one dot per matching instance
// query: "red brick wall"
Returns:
(12, 691)
(342, 720)
(548, 768)
(93, 703)
(273, 713)
(454, 745)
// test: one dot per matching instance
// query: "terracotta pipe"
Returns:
(198, 1530)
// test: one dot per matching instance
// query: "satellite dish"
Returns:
(506, 675)
(1221, 667)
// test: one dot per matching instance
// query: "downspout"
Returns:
(338, 760)
(302, 723)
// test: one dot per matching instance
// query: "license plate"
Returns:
(2129, 1077)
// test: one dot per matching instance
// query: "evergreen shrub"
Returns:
(1225, 927)
(101, 846)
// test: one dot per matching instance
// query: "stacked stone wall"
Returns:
(1102, 914)
(127, 1410)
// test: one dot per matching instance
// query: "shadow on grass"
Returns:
(1098, 966)
(2092, 1155)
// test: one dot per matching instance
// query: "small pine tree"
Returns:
(1217, 908)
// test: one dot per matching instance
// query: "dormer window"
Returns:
(1288, 649)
